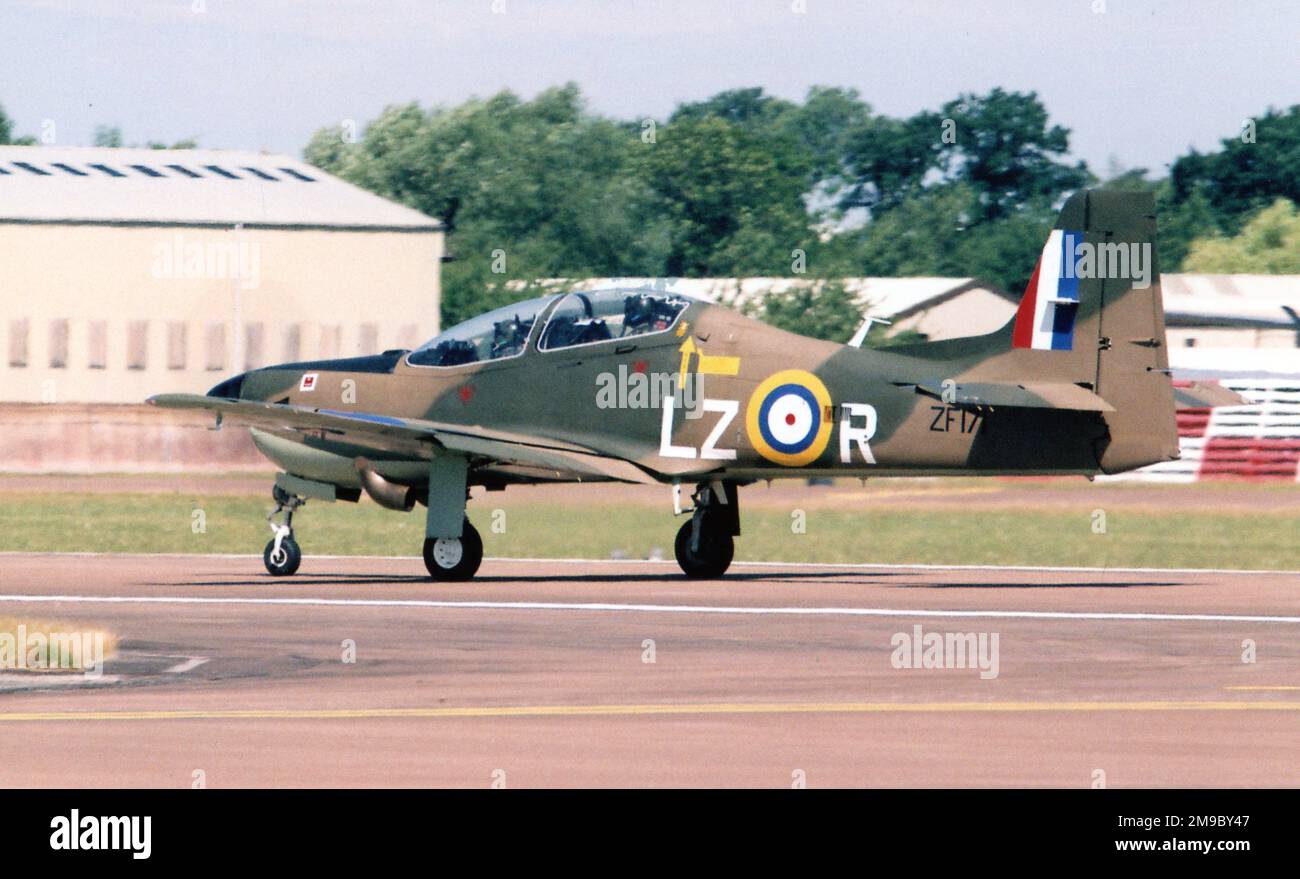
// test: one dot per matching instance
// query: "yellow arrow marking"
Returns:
(707, 364)
(716, 364)
(687, 348)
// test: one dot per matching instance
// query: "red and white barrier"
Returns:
(1258, 441)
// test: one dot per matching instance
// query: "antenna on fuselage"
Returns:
(861, 335)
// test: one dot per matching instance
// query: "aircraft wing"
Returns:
(412, 436)
(1027, 395)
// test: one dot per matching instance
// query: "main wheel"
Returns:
(454, 558)
(713, 556)
(284, 562)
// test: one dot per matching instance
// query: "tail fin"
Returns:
(1092, 315)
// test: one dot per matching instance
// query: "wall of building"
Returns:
(114, 314)
(100, 438)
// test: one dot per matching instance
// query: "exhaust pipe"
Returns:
(383, 492)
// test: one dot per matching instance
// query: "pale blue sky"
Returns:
(1141, 81)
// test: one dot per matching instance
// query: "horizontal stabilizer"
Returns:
(1203, 395)
(1025, 395)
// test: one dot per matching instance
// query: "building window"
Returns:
(292, 343)
(215, 345)
(18, 343)
(331, 336)
(97, 345)
(368, 340)
(1189, 342)
(58, 344)
(253, 335)
(137, 344)
(176, 345)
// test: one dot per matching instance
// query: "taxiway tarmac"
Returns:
(568, 673)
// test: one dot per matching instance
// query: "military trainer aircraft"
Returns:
(646, 386)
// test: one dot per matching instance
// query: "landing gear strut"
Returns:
(282, 554)
(705, 545)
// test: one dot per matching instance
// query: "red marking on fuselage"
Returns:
(466, 393)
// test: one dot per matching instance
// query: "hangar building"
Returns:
(131, 272)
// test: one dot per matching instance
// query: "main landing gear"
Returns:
(282, 555)
(705, 544)
(454, 558)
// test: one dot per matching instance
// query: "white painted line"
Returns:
(188, 665)
(842, 566)
(596, 607)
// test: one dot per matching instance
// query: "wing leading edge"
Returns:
(412, 436)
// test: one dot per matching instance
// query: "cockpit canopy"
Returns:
(601, 315)
(580, 318)
(500, 333)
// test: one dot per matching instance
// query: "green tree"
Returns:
(1250, 170)
(108, 136)
(7, 132)
(1008, 153)
(527, 189)
(887, 160)
(740, 184)
(823, 127)
(1180, 223)
(1268, 244)
(732, 197)
(188, 143)
(746, 107)
(822, 310)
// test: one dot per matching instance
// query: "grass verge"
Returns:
(168, 523)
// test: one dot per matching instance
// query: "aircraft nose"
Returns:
(230, 388)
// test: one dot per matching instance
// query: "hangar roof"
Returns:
(1231, 300)
(101, 185)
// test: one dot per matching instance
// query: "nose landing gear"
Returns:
(282, 555)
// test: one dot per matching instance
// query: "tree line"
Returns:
(747, 184)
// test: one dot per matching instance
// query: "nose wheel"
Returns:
(454, 558)
(282, 555)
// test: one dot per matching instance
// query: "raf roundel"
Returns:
(788, 419)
